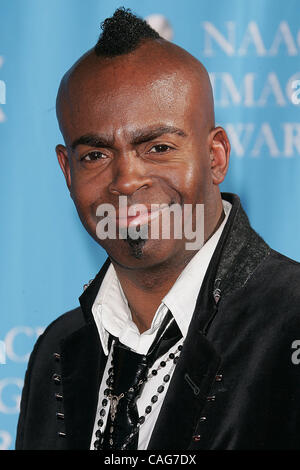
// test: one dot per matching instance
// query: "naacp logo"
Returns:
(161, 25)
(258, 89)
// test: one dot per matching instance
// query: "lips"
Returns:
(138, 214)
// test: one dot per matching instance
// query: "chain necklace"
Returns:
(114, 400)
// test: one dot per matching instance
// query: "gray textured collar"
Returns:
(243, 250)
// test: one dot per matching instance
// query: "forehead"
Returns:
(122, 94)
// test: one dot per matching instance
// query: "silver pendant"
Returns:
(114, 401)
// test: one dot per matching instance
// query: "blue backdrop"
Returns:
(251, 50)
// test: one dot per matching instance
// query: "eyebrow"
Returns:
(92, 140)
(137, 137)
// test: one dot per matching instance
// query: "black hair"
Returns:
(123, 33)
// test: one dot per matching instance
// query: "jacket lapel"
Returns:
(186, 396)
(192, 379)
(83, 362)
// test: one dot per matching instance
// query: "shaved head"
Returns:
(158, 61)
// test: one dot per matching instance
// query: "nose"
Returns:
(129, 175)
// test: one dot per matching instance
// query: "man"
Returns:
(174, 346)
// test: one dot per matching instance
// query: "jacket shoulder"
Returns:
(284, 271)
(279, 257)
(63, 326)
(271, 296)
(39, 377)
(57, 330)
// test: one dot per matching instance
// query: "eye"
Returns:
(93, 156)
(160, 148)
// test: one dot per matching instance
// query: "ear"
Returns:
(219, 152)
(63, 160)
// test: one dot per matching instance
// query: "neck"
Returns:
(145, 288)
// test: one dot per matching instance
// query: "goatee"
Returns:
(136, 244)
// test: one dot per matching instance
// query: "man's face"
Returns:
(135, 130)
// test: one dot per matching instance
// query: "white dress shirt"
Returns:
(112, 316)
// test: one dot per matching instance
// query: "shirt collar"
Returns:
(112, 314)
(182, 297)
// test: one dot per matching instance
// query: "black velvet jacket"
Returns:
(235, 385)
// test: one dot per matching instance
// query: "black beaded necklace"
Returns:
(114, 400)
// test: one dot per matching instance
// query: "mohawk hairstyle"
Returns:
(122, 33)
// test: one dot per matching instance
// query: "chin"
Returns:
(141, 254)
